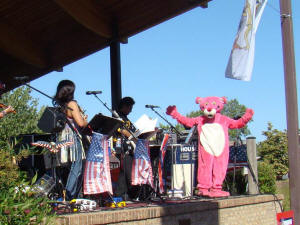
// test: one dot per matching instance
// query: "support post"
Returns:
(291, 105)
(251, 154)
(115, 67)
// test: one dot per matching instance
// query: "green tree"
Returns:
(275, 150)
(234, 109)
(25, 120)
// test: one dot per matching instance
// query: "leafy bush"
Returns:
(19, 205)
(274, 150)
(266, 177)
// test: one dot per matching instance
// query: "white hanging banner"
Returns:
(241, 59)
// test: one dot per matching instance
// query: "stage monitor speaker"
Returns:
(52, 120)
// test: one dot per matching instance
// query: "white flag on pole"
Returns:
(241, 59)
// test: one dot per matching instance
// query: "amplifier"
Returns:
(34, 163)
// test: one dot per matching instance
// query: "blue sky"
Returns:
(186, 57)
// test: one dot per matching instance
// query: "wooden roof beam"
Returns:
(201, 3)
(18, 45)
(85, 13)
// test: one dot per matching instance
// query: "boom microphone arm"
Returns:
(39, 91)
(22, 81)
(172, 127)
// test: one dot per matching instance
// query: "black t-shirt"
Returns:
(121, 143)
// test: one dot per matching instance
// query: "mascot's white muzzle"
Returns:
(210, 114)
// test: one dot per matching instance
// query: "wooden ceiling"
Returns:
(40, 36)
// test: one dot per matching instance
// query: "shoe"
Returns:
(203, 192)
(215, 193)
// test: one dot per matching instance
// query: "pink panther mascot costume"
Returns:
(213, 148)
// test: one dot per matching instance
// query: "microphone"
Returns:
(152, 106)
(21, 78)
(93, 92)
(115, 114)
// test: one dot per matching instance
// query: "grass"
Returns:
(282, 187)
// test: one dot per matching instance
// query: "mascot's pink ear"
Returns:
(198, 100)
(223, 99)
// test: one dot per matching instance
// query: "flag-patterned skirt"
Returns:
(141, 169)
(97, 178)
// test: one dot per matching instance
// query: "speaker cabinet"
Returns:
(52, 120)
(33, 163)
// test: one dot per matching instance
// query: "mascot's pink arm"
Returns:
(187, 121)
(236, 124)
(230, 123)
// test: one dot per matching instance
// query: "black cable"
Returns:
(253, 175)
(276, 198)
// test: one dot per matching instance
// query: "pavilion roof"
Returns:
(40, 36)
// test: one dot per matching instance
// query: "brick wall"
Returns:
(242, 210)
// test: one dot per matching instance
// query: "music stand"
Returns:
(103, 124)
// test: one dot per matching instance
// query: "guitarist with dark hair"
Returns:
(124, 150)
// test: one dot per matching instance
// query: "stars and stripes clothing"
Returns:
(162, 153)
(70, 153)
(141, 169)
(237, 157)
(97, 178)
(238, 153)
(52, 146)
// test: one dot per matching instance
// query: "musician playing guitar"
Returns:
(64, 98)
(124, 149)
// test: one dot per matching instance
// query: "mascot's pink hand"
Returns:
(171, 110)
(250, 112)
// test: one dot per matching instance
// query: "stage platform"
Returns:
(234, 210)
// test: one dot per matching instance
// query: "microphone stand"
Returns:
(172, 127)
(113, 112)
